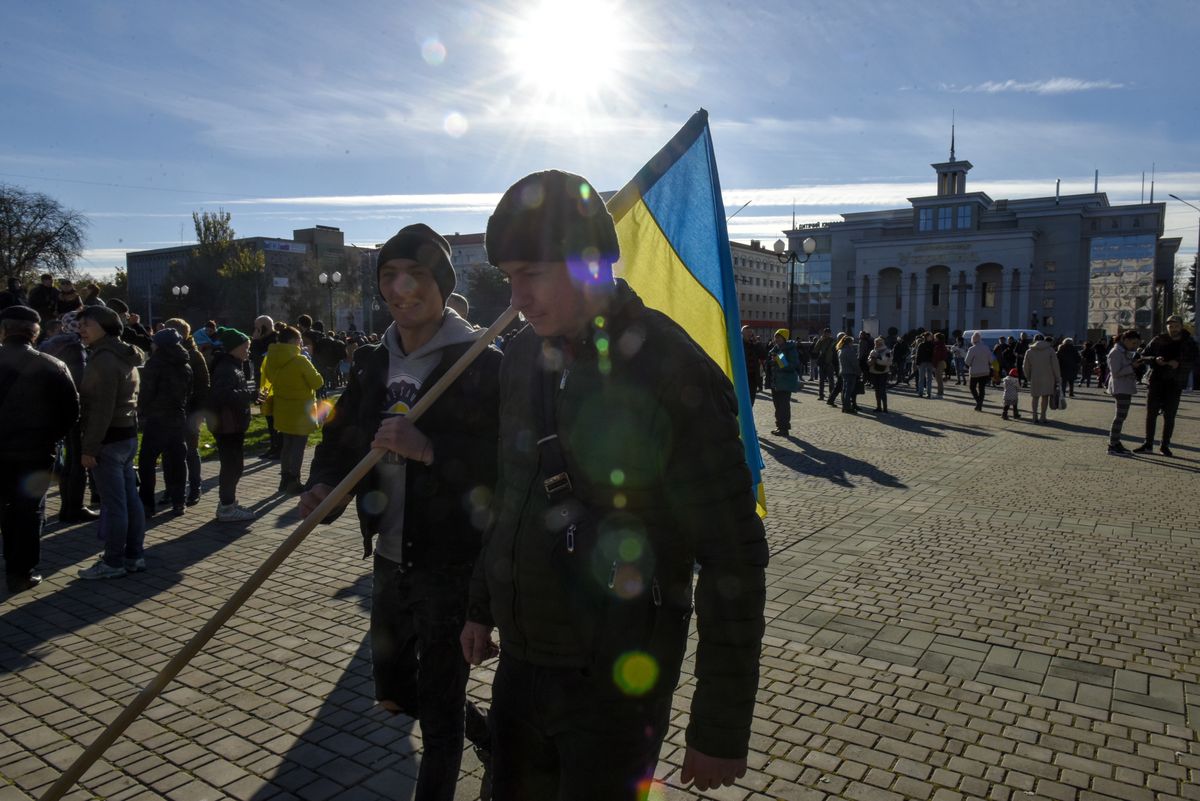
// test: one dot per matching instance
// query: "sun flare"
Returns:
(568, 49)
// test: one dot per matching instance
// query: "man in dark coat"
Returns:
(1171, 356)
(43, 298)
(621, 469)
(427, 500)
(38, 406)
(163, 400)
(132, 331)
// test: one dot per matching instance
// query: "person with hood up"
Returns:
(229, 398)
(1042, 373)
(785, 379)
(292, 382)
(109, 395)
(427, 500)
(163, 407)
(67, 348)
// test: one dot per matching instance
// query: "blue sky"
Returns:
(370, 116)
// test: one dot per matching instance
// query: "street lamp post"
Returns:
(329, 282)
(180, 292)
(1196, 288)
(785, 256)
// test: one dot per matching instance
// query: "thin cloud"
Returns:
(1050, 86)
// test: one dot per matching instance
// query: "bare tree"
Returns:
(37, 235)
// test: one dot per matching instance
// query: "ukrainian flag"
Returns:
(671, 226)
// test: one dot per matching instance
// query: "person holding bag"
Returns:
(785, 379)
(879, 365)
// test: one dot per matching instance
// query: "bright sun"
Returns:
(568, 49)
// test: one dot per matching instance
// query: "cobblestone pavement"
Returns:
(958, 607)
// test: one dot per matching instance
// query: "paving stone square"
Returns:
(959, 607)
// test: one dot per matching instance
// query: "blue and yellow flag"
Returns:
(675, 254)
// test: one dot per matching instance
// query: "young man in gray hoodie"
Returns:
(428, 499)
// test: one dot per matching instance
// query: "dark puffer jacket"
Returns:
(648, 426)
(166, 387)
(38, 402)
(229, 396)
(109, 393)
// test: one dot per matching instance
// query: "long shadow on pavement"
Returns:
(837, 467)
(31, 621)
(352, 748)
(921, 425)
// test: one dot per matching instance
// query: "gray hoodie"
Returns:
(406, 377)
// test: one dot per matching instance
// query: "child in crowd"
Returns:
(1012, 389)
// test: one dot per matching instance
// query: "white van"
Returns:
(990, 336)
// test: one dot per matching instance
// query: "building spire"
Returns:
(952, 134)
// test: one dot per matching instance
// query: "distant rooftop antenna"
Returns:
(793, 214)
(1096, 182)
(1152, 166)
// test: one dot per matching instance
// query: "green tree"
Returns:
(37, 235)
(1187, 293)
(488, 292)
(223, 277)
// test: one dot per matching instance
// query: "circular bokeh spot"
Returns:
(635, 673)
(433, 51)
(455, 125)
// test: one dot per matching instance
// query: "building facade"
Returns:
(1067, 265)
(761, 282)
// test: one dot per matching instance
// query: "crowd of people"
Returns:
(562, 491)
(1045, 368)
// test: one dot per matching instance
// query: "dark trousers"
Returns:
(291, 455)
(563, 734)
(416, 619)
(1166, 401)
(23, 485)
(835, 389)
(1114, 433)
(165, 439)
(978, 387)
(231, 452)
(849, 385)
(191, 439)
(273, 436)
(880, 382)
(824, 376)
(74, 477)
(783, 409)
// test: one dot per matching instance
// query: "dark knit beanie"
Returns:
(553, 216)
(104, 316)
(167, 337)
(118, 305)
(22, 314)
(230, 338)
(425, 246)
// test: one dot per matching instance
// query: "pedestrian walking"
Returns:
(879, 365)
(925, 366)
(229, 398)
(979, 366)
(941, 355)
(851, 373)
(1171, 356)
(1012, 394)
(109, 396)
(826, 359)
(1042, 375)
(292, 382)
(32, 421)
(1122, 362)
(1069, 362)
(785, 379)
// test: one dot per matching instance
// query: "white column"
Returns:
(857, 313)
(952, 320)
(1004, 300)
(921, 302)
(971, 301)
(1023, 296)
(904, 302)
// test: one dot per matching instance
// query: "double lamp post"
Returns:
(329, 282)
(785, 256)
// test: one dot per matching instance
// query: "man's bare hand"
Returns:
(311, 499)
(710, 772)
(477, 643)
(398, 435)
(87, 462)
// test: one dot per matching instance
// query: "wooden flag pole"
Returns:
(201, 637)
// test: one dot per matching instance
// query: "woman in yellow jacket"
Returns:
(289, 387)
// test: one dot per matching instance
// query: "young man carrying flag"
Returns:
(621, 468)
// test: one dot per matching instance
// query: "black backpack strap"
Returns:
(556, 479)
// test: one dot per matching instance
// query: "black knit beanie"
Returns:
(553, 216)
(425, 246)
(105, 317)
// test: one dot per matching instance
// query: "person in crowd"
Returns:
(43, 298)
(825, 357)
(1012, 394)
(958, 352)
(14, 295)
(1019, 349)
(68, 298)
(91, 296)
(165, 391)
(459, 305)
(750, 351)
(785, 379)
(1042, 375)
(428, 538)
(1122, 363)
(229, 398)
(132, 331)
(109, 395)
(1069, 361)
(941, 355)
(851, 375)
(206, 342)
(68, 349)
(292, 383)
(979, 366)
(925, 365)
(1087, 363)
(1171, 356)
(665, 416)
(261, 338)
(879, 367)
(1102, 348)
(195, 410)
(38, 406)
